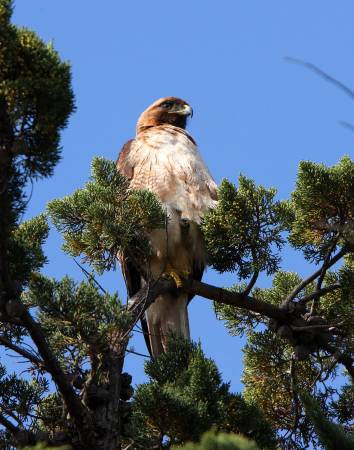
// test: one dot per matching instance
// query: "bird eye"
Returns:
(167, 104)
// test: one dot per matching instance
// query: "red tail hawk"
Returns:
(164, 158)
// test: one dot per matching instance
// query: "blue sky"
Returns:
(253, 112)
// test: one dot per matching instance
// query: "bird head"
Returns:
(168, 110)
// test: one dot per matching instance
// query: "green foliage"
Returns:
(243, 232)
(26, 254)
(343, 406)
(35, 91)
(267, 377)
(51, 413)
(76, 315)
(186, 397)
(6, 10)
(323, 205)
(19, 397)
(337, 306)
(105, 218)
(331, 435)
(80, 324)
(221, 441)
(236, 320)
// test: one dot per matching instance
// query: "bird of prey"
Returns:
(164, 159)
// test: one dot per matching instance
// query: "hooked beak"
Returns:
(184, 110)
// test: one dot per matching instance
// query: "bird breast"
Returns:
(167, 162)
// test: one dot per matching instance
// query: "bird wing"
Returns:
(132, 277)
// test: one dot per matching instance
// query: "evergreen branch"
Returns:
(311, 278)
(332, 436)
(147, 295)
(21, 351)
(75, 407)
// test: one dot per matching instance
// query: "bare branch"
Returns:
(237, 299)
(323, 274)
(137, 353)
(311, 278)
(328, 372)
(89, 276)
(316, 327)
(251, 283)
(320, 292)
(347, 125)
(322, 74)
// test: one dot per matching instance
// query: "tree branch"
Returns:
(147, 295)
(75, 407)
(323, 273)
(21, 351)
(320, 292)
(322, 74)
(238, 299)
(251, 283)
(8, 425)
(311, 278)
(341, 357)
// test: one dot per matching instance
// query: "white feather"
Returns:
(166, 160)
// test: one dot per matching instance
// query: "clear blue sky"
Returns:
(254, 113)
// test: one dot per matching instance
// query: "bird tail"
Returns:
(168, 314)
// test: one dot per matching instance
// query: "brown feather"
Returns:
(123, 165)
(156, 115)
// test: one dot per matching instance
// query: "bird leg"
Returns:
(176, 275)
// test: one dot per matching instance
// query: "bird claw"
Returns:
(177, 277)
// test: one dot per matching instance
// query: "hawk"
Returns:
(164, 159)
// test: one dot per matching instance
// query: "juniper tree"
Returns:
(186, 397)
(300, 331)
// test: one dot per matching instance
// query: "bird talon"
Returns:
(177, 277)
